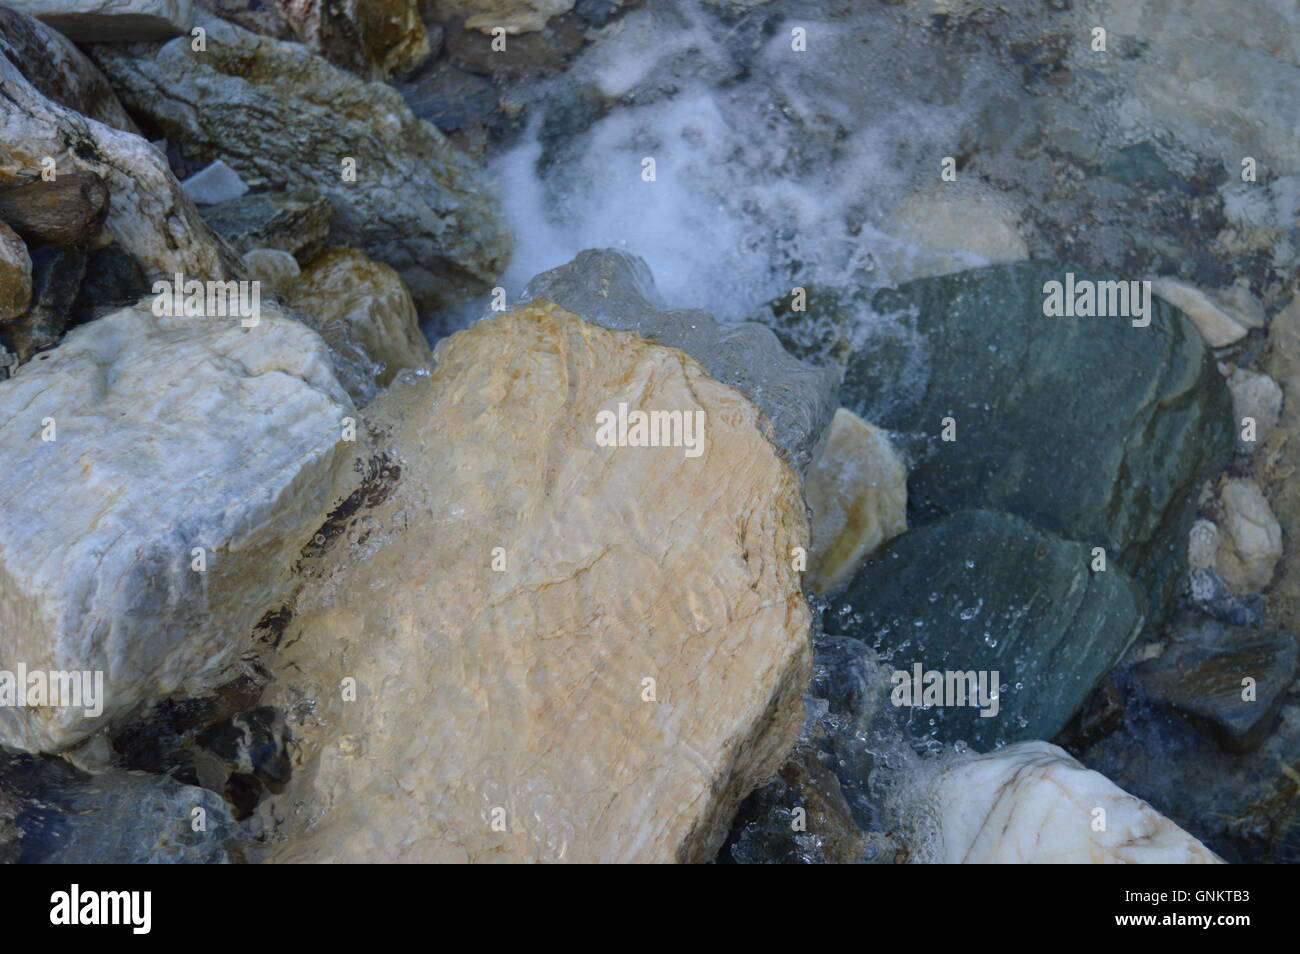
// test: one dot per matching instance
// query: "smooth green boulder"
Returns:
(1088, 427)
(987, 593)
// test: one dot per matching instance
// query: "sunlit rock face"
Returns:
(560, 650)
(1033, 804)
(136, 441)
(857, 491)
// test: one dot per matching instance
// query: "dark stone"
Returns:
(113, 280)
(530, 55)
(1244, 806)
(56, 278)
(989, 592)
(51, 813)
(1201, 673)
(295, 221)
(68, 210)
(800, 818)
(1088, 427)
(449, 98)
(1140, 167)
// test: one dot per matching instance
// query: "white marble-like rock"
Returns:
(116, 21)
(135, 441)
(214, 183)
(150, 216)
(557, 650)
(1250, 541)
(1031, 803)
(1222, 318)
(857, 492)
(1258, 397)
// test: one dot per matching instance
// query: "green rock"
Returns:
(986, 591)
(1091, 428)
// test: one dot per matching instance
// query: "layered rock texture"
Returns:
(54, 65)
(987, 592)
(1089, 427)
(149, 214)
(1033, 804)
(527, 645)
(191, 458)
(401, 192)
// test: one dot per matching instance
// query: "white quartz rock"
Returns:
(137, 440)
(1223, 318)
(1031, 803)
(96, 21)
(1250, 543)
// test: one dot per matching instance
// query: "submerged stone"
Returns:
(987, 593)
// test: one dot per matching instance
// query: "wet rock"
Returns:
(449, 98)
(296, 221)
(857, 492)
(528, 55)
(1257, 397)
(415, 202)
(1244, 806)
(15, 274)
(179, 433)
(800, 818)
(56, 278)
(149, 214)
(1033, 804)
(114, 21)
(214, 183)
(630, 671)
(342, 286)
(1249, 539)
(70, 210)
(1088, 427)
(615, 290)
(1222, 320)
(987, 592)
(63, 816)
(1230, 682)
(946, 233)
(60, 71)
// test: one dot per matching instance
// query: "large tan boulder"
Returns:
(526, 645)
